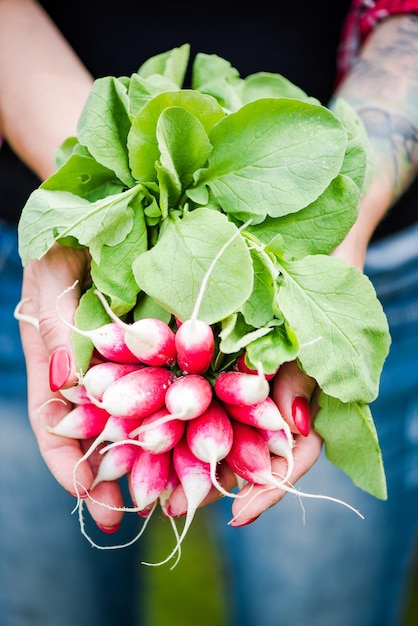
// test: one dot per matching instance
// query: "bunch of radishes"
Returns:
(158, 411)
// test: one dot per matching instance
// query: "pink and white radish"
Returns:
(160, 437)
(195, 345)
(81, 422)
(264, 414)
(138, 393)
(187, 397)
(250, 458)
(149, 477)
(76, 394)
(109, 339)
(151, 340)
(240, 388)
(194, 339)
(280, 443)
(116, 463)
(116, 429)
(209, 437)
(99, 377)
(195, 478)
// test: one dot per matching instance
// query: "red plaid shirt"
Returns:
(361, 19)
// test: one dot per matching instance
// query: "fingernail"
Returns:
(82, 496)
(108, 529)
(237, 524)
(59, 368)
(301, 415)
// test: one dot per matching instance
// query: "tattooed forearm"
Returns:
(383, 88)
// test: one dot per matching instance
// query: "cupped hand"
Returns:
(50, 366)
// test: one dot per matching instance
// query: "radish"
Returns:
(99, 377)
(194, 339)
(263, 414)
(278, 443)
(116, 463)
(109, 339)
(116, 429)
(241, 388)
(195, 344)
(149, 477)
(195, 478)
(81, 422)
(209, 437)
(138, 393)
(250, 459)
(160, 437)
(151, 340)
(187, 397)
(76, 394)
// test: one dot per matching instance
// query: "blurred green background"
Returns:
(193, 594)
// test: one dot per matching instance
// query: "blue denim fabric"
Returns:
(49, 573)
(339, 570)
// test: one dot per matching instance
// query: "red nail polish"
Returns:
(59, 368)
(108, 529)
(301, 415)
(237, 524)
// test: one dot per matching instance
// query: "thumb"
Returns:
(47, 284)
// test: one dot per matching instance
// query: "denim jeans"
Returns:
(49, 573)
(336, 569)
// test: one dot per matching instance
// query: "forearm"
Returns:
(43, 84)
(383, 87)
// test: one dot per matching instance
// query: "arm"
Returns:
(43, 88)
(43, 84)
(383, 87)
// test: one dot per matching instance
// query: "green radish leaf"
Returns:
(319, 227)
(216, 77)
(85, 177)
(113, 275)
(339, 323)
(269, 85)
(142, 90)
(258, 309)
(146, 307)
(184, 147)
(104, 125)
(171, 64)
(142, 139)
(64, 151)
(271, 350)
(50, 216)
(237, 334)
(351, 443)
(173, 270)
(273, 157)
(359, 159)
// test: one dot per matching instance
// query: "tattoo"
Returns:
(383, 88)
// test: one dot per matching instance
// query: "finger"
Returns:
(292, 392)
(104, 504)
(262, 497)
